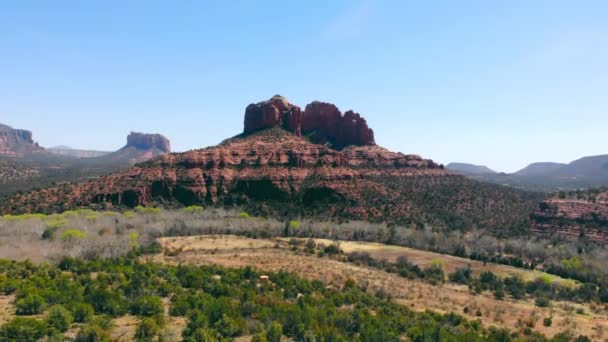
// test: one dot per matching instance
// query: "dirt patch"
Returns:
(7, 311)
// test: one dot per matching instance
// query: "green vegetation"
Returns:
(194, 209)
(285, 306)
(243, 215)
(541, 289)
(73, 234)
(147, 210)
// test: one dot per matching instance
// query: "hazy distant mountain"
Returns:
(539, 169)
(76, 153)
(465, 168)
(586, 172)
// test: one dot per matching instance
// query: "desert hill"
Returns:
(292, 162)
(465, 168)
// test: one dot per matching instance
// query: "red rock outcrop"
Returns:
(276, 112)
(17, 142)
(269, 165)
(573, 218)
(149, 141)
(322, 123)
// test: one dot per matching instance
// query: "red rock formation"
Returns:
(149, 141)
(324, 123)
(573, 218)
(17, 142)
(276, 112)
(273, 164)
(273, 169)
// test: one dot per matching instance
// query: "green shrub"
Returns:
(73, 234)
(48, 233)
(147, 210)
(230, 327)
(23, 329)
(542, 302)
(59, 318)
(310, 245)
(133, 239)
(275, 331)
(83, 313)
(295, 225)
(194, 209)
(434, 274)
(147, 329)
(147, 306)
(462, 275)
(32, 304)
(92, 333)
(334, 248)
(243, 215)
(547, 321)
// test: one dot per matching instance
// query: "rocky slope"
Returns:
(17, 142)
(581, 214)
(274, 167)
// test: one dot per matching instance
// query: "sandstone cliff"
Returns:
(573, 218)
(17, 142)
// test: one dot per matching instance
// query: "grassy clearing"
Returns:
(449, 262)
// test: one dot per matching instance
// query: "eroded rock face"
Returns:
(322, 123)
(573, 218)
(269, 165)
(276, 112)
(149, 141)
(17, 142)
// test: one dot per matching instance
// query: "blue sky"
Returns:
(500, 83)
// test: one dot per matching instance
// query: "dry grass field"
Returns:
(276, 255)
(450, 263)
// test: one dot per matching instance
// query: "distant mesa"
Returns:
(321, 123)
(471, 169)
(140, 147)
(144, 141)
(17, 142)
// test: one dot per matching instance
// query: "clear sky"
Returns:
(500, 83)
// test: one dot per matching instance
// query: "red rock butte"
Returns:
(321, 122)
(17, 142)
(149, 141)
